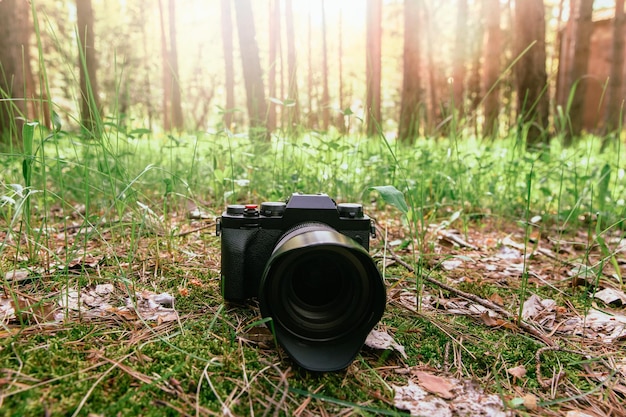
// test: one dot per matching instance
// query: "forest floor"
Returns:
(125, 317)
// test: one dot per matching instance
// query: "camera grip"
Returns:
(235, 243)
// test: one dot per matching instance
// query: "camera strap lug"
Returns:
(372, 229)
(218, 226)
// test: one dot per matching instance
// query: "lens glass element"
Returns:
(320, 285)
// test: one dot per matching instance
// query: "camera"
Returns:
(307, 262)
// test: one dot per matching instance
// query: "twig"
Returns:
(555, 379)
(188, 232)
(473, 297)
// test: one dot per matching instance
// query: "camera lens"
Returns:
(321, 288)
(320, 294)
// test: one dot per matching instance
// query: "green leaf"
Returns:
(391, 195)
(56, 121)
(28, 134)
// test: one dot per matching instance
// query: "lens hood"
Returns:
(324, 295)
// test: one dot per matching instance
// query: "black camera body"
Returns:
(307, 261)
(249, 234)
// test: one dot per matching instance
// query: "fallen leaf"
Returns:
(17, 275)
(412, 398)
(517, 372)
(541, 311)
(611, 296)
(7, 312)
(32, 311)
(451, 264)
(576, 413)
(196, 282)
(467, 399)
(495, 298)
(530, 402)
(382, 340)
(436, 384)
(491, 321)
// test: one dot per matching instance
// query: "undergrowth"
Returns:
(118, 210)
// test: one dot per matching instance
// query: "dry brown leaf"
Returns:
(530, 401)
(435, 384)
(495, 298)
(413, 398)
(467, 399)
(492, 321)
(517, 372)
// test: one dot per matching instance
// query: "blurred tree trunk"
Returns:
(341, 117)
(147, 81)
(312, 115)
(177, 111)
(274, 35)
(410, 97)
(493, 52)
(475, 77)
(252, 73)
(229, 66)
(326, 94)
(530, 71)
(615, 105)
(293, 112)
(434, 109)
(459, 59)
(566, 52)
(579, 69)
(373, 71)
(90, 103)
(15, 69)
(167, 85)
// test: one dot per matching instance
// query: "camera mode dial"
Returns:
(351, 210)
(235, 209)
(273, 209)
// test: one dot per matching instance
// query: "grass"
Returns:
(115, 211)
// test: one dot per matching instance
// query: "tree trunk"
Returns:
(229, 67)
(252, 73)
(293, 111)
(566, 53)
(433, 94)
(274, 31)
(492, 70)
(325, 93)
(177, 111)
(312, 115)
(167, 85)
(373, 67)
(90, 103)
(579, 70)
(459, 63)
(410, 97)
(14, 67)
(341, 117)
(615, 105)
(530, 71)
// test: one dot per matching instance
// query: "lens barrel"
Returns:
(324, 294)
